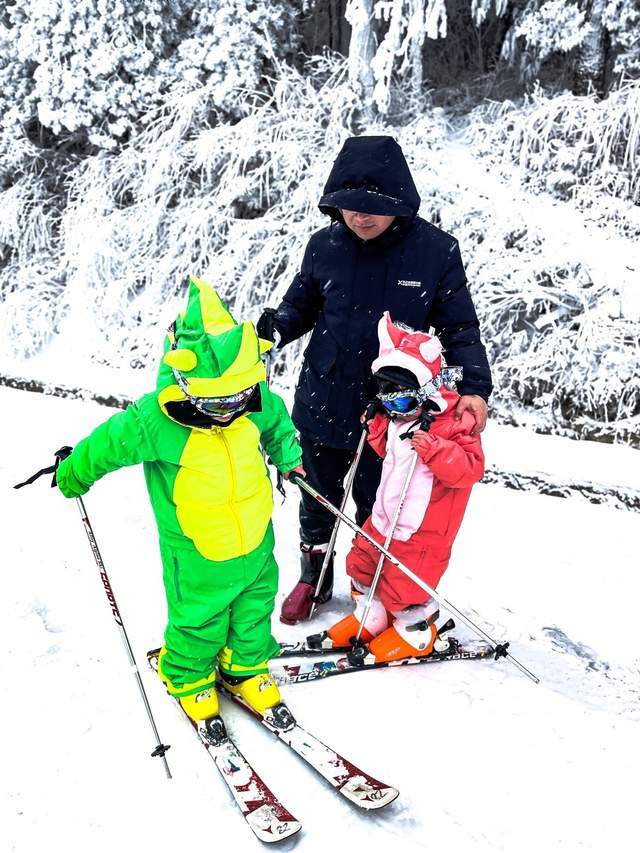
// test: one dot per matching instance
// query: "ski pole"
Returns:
(161, 748)
(501, 650)
(425, 422)
(348, 483)
(387, 543)
(269, 334)
(269, 330)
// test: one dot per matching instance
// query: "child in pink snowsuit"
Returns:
(410, 378)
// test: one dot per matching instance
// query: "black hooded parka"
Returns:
(413, 270)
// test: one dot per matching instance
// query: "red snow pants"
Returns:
(395, 589)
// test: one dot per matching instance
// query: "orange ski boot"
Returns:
(377, 620)
(342, 632)
(403, 641)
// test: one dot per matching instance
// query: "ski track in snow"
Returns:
(484, 759)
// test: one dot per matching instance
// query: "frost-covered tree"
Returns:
(94, 68)
(359, 15)
(622, 21)
(591, 61)
(588, 43)
(408, 23)
(599, 38)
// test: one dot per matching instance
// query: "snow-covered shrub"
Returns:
(93, 68)
(556, 293)
(566, 144)
(234, 203)
(563, 356)
(80, 78)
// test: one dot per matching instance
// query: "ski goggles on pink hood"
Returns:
(407, 401)
(403, 402)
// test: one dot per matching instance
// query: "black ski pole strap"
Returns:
(369, 413)
(412, 428)
(423, 422)
(50, 470)
(60, 455)
(280, 486)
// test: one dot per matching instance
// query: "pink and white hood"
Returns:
(415, 351)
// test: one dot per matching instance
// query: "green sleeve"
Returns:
(120, 441)
(277, 432)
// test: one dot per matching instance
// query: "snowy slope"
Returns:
(484, 759)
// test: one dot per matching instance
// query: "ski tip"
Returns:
(270, 827)
(366, 796)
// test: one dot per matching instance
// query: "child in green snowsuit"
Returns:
(200, 435)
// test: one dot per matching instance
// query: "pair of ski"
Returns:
(269, 819)
(320, 644)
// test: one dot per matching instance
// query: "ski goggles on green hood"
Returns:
(220, 408)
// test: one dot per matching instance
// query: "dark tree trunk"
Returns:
(325, 26)
(362, 48)
(589, 69)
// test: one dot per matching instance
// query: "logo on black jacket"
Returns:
(405, 282)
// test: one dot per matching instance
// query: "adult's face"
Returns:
(366, 225)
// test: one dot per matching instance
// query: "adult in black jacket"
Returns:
(376, 255)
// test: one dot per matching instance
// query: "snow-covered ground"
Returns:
(484, 759)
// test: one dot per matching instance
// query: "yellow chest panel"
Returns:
(222, 491)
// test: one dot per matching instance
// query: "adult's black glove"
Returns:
(266, 327)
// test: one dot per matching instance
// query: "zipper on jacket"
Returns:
(233, 490)
(176, 578)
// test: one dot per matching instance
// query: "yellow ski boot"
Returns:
(202, 705)
(199, 705)
(259, 692)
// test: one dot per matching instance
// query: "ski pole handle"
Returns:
(369, 413)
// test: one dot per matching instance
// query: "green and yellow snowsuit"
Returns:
(210, 491)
